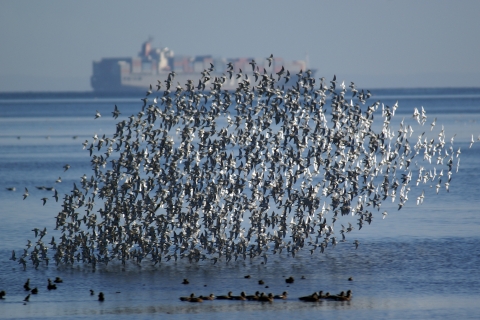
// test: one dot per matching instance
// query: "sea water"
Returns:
(419, 262)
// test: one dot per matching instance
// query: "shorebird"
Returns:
(270, 59)
(116, 112)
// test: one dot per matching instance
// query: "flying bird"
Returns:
(270, 59)
(116, 112)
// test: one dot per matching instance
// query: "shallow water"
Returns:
(420, 262)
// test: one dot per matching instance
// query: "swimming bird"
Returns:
(255, 296)
(241, 297)
(51, 286)
(11, 188)
(187, 298)
(192, 298)
(342, 296)
(225, 297)
(310, 298)
(266, 298)
(211, 296)
(281, 296)
(101, 296)
(289, 280)
(196, 299)
(333, 296)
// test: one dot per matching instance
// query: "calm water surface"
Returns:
(420, 262)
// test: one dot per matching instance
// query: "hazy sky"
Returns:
(50, 45)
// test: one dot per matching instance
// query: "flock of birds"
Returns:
(216, 175)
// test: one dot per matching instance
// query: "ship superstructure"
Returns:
(152, 64)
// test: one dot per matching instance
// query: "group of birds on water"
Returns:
(211, 174)
(258, 296)
(262, 297)
(52, 285)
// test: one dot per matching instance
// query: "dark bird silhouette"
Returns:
(26, 286)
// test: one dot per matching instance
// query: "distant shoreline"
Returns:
(141, 93)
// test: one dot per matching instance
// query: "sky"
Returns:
(50, 45)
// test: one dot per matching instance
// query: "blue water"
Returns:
(420, 262)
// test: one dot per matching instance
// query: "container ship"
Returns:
(138, 73)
